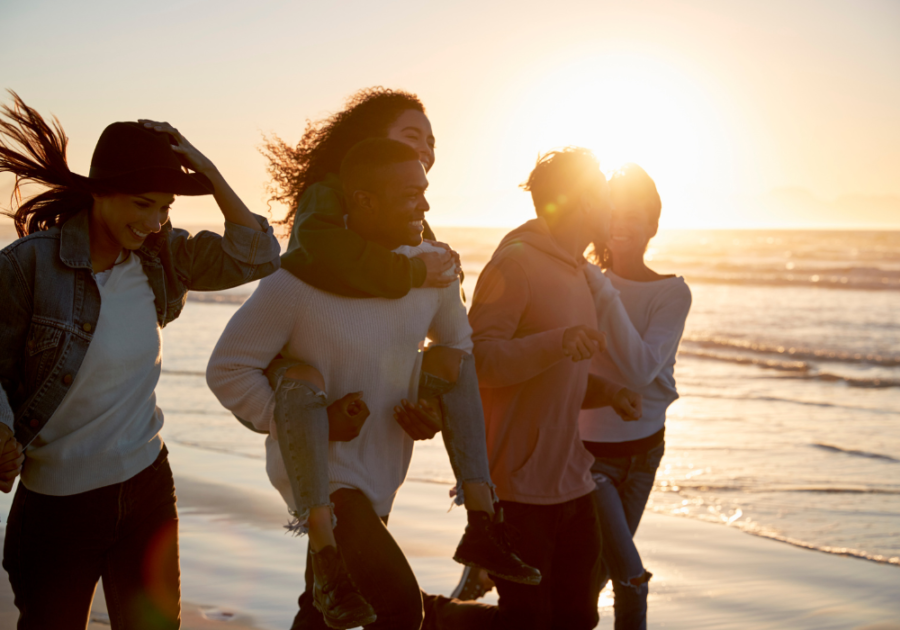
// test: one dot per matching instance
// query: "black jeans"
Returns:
(564, 542)
(57, 548)
(383, 576)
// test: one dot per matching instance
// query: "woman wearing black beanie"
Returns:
(96, 274)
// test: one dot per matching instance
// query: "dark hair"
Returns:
(362, 164)
(560, 177)
(35, 152)
(367, 114)
(632, 185)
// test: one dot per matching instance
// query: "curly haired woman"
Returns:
(321, 251)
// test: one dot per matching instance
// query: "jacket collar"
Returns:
(75, 241)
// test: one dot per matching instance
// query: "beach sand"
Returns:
(240, 570)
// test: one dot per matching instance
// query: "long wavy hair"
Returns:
(34, 151)
(367, 114)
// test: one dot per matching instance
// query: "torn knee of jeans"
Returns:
(639, 581)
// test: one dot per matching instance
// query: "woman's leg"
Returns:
(141, 576)
(449, 373)
(53, 553)
(623, 488)
(301, 423)
(631, 597)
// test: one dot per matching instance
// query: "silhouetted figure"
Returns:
(643, 315)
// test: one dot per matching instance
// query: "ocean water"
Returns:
(789, 374)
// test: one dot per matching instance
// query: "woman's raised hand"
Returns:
(437, 264)
(192, 158)
(230, 204)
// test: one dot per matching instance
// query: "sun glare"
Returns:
(630, 109)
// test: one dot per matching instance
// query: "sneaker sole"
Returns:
(530, 581)
(346, 625)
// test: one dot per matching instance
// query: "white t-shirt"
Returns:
(106, 429)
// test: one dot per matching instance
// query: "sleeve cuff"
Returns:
(251, 246)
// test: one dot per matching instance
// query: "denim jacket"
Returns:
(51, 302)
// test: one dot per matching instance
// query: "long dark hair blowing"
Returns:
(367, 114)
(35, 152)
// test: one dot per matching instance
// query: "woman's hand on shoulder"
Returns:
(437, 264)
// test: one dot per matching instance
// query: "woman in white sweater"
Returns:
(97, 273)
(643, 315)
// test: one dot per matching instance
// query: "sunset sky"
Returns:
(747, 114)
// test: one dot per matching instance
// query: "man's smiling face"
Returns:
(401, 203)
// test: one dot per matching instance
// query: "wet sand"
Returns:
(239, 570)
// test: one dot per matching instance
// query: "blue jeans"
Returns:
(623, 487)
(301, 420)
(463, 431)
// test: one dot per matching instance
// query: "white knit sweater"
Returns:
(643, 322)
(358, 344)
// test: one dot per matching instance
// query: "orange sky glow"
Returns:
(748, 115)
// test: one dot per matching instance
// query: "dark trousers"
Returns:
(383, 576)
(57, 548)
(564, 542)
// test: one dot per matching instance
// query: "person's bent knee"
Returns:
(443, 362)
(303, 372)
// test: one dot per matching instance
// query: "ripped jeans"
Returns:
(623, 488)
(301, 420)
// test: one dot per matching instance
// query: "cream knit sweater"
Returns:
(358, 344)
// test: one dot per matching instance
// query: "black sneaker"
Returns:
(334, 594)
(485, 545)
(473, 584)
